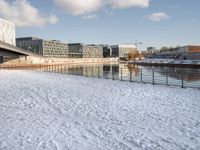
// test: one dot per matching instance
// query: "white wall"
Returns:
(7, 32)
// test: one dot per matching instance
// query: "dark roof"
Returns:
(27, 38)
(75, 44)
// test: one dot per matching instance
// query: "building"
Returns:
(42, 47)
(151, 49)
(75, 50)
(31, 44)
(79, 50)
(55, 48)
(122, 51)
(7, 32)
(107, 51)
(92, 51)
(180, 52)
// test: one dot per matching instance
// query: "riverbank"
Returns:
(54, 111)
(168, 63)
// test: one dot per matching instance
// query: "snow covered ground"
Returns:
(60, 112)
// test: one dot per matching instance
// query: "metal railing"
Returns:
(181, 77)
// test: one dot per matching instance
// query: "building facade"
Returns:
(107, 52)
(122, 51)
(75, 50)
(42, 47)
(92, 51)
(31, 44)
(181, 52)
(151, 49)
(79, 50)
(7, 32)
(55, 48)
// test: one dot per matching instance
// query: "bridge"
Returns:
(10, 52)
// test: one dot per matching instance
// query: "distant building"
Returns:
(79, 50)
(42, 47)
(151, 49)
(7, 32)
(75, 50)
(122, 51)
(92, 51)
(184, 52)
(107, 51)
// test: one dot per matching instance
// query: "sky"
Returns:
(154, 23)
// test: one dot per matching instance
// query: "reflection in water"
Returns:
(125, 70)
(163, 75)
(189, 74)
(134, 69)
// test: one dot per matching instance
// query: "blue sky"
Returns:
(174, 22)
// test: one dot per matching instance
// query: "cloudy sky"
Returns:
(153, 22)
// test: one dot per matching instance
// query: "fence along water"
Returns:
(169, 77)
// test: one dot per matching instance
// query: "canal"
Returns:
(171, 76)
(174, 76)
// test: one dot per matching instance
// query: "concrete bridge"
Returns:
(9, 52)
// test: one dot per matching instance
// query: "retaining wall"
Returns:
(43, 60)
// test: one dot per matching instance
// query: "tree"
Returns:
(133, 55)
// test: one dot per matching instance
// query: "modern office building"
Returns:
(55, 48)
(107, 51)
(92, 51)
(7, 32)
(79, 50)
(42, 47)
(122, 51)
(75, 50)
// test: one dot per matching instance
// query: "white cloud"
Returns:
(78, 7)
(158, 16)
(129, 3)
(23, 14)
(89, 17)
(53, 19)
(82, 7)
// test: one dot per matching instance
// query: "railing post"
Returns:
(121, 74)
(86, 72)
(167, 79)
(153, 77)
(105, 74)
(98, 73)
(182, 79)
(92, 71)
(141, 75)
(113, 75)
(130, 76)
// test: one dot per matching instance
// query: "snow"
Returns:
(60, 112)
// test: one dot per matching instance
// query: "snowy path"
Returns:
(60, 112)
